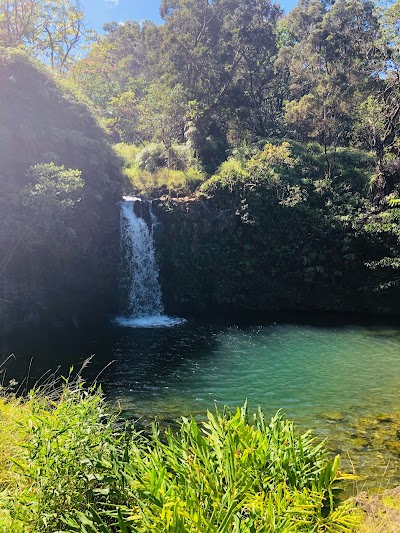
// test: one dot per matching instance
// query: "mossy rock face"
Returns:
(60, 269)
(240, 246)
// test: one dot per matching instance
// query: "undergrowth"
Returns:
(67, 466)
(152, 170)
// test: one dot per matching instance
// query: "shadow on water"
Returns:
(122, 357)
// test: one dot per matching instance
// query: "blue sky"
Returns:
(99, 12)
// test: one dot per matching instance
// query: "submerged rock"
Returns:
(334, 416)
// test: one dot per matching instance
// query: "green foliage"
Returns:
(123, 122)
(279, 231)
(165, 181)
(220, 74)
(155, 170)
(59, 475)
(51, 29)
(163, 113)
(54, 184)
(59, 184)
(155, 156)
(128, 153)
(370, 124)
(329, 66)
(73, 472)
(209, 69)
(151, 157)
(269, 167)
(50, 198)
(205, 91)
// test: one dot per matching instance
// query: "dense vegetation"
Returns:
(269, 232)
(59, 184)
(271, 143)
(223, 72)
(283, 128)
(65, 465)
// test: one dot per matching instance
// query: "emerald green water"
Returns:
(340, 380)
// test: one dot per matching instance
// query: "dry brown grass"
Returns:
(381, 511)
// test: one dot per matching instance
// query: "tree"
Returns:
(124, 117)
(62, 29)
(333, 62)
(162, 116)
(52, 29)
(223, 54)
(50, 198)
(378, 116)
(258, 88)
(117, 72)
(19, 20)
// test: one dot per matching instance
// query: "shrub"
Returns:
(151, 157)
(128, 152)
(75, 472)
(153, 170)
(56, 475)
(178, 182)
(180, 157)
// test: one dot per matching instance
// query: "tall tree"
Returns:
(223, 53)
(248, 41)
(379, 115)
(52, 29)
(18, 21)
(388, 98)
(116, 73)
(333, 63)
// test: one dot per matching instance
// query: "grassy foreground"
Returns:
(66, 465)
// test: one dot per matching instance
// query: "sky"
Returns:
(98, 12)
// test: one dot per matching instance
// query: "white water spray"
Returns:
(139, 285)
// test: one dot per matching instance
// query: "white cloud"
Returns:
(112, 3)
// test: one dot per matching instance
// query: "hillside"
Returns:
(59, 185)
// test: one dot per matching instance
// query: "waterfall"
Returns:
(139, 286)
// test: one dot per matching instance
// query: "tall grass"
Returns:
(150, 173)
(75, 470)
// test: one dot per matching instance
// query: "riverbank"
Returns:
(67, 464)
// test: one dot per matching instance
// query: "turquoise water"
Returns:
(340, 380)
(301, 369)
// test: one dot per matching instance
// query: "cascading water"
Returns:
(139, 285)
